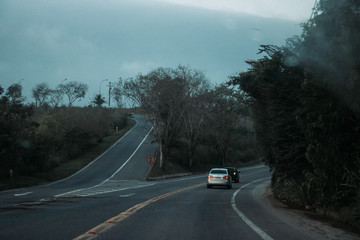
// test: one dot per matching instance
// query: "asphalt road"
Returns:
(110, 200)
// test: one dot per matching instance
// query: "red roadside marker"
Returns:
(150, 160)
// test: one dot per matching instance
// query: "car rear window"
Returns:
(219, 171)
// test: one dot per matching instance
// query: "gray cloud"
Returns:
(88, 41)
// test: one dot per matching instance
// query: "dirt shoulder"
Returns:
(324, 226)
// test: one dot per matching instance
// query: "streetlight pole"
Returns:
(100, 85)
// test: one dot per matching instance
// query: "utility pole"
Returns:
(109, 93)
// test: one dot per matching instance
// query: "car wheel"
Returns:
(208, 186)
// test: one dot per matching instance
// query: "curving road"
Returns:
(110, 200)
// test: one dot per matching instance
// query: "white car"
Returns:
(219, 177)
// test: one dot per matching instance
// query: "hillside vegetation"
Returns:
(305, 99)
(36, 140)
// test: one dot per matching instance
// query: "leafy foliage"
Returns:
(98, 100)
(305, 100)
(16, 131)
(41, 93)
(164, 95)
(14, 93)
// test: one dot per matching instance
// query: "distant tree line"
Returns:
(305, 100)
(72, 91)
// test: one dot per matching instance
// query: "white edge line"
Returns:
(22, 194)
(260, 232)
(104, 192)
(127, 195)
(94, 159)
(128, 158)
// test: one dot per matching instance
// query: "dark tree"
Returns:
(41, 92)
(55, 96)
(14, 93)
(224, 110)
(118, 93)
(74, 91)
(98, 100)
(163, 95)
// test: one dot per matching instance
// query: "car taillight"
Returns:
(226, 177)
(211, 176)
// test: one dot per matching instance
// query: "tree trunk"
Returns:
(191, 153)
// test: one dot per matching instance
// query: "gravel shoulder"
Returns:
(308, 221)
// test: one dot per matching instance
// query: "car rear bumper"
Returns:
(218, 182)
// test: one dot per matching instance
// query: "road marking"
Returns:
(108, 187)
(22, 194)
(93, 233)
(127, 195)
(129, 157)
(258, 230)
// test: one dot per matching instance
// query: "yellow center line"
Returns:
(93, 233)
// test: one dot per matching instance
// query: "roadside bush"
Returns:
(16, 137)
(84, 127)
(34, 140)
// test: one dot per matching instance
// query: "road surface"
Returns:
(109, 199)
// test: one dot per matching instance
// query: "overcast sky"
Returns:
(92, 40)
